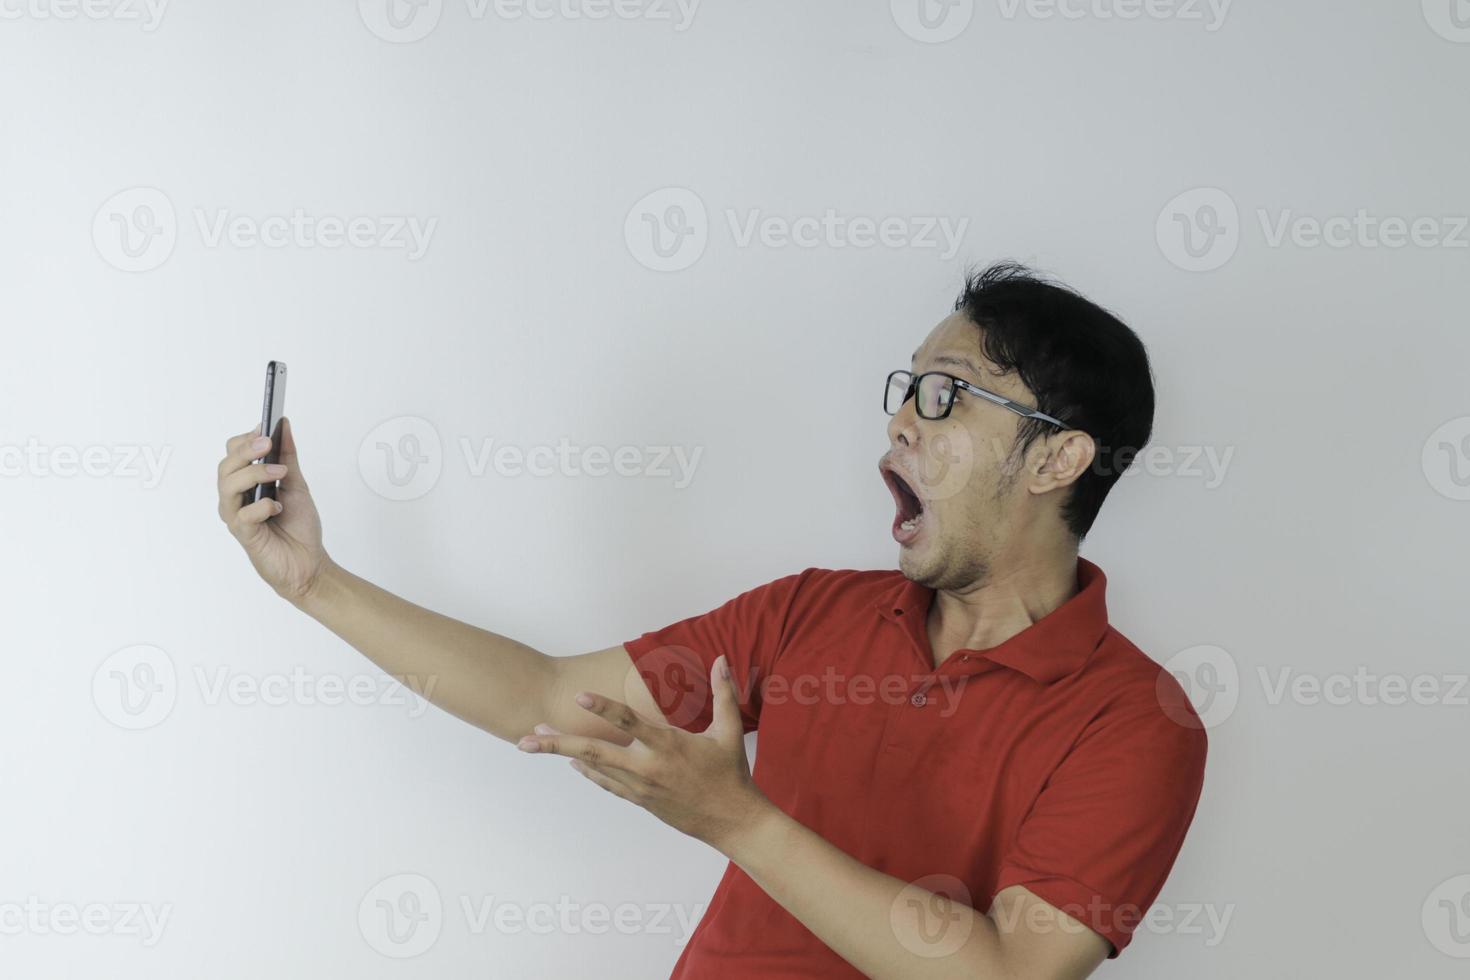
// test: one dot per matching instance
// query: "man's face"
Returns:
(961, 470)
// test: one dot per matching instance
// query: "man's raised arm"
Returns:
(490, 681)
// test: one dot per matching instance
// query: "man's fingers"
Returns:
(241, 480)
(237, 473)
(235, 443)
(726, 718)
(230, 492)
(593, 751)
(623, 717)
(241, 450)
(251, 516)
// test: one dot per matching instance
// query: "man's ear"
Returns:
(1066, 457)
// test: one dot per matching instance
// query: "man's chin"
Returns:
(915, 561)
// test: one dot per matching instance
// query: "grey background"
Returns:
(1331, 834)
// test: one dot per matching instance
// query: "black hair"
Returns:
(1084, 366)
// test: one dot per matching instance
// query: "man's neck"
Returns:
(1011, 598)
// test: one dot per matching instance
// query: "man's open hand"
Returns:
(699, 784)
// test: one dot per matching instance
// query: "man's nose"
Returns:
(902, 430)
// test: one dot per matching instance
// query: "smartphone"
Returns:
(270, 425)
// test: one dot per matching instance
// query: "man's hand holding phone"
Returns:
(283, 537)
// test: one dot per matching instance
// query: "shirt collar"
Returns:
(1049, 649)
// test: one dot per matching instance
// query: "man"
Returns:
(964, 771)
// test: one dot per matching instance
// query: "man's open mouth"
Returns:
(909, 505)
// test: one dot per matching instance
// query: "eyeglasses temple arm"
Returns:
(1016, 407)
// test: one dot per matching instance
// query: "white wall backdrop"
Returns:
(447, 213)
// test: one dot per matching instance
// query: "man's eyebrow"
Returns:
(949, 359)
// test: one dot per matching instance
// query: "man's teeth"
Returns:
(911, 523)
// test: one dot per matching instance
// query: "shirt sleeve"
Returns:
(750, 630)
(1105, 829)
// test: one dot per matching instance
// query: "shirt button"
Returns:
(918, 700)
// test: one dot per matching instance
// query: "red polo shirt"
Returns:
(1052, 761)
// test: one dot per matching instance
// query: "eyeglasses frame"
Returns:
(963, 385)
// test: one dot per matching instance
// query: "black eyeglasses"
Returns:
(936, 391)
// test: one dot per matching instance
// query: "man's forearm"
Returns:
(490, 681)
(851, 907)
